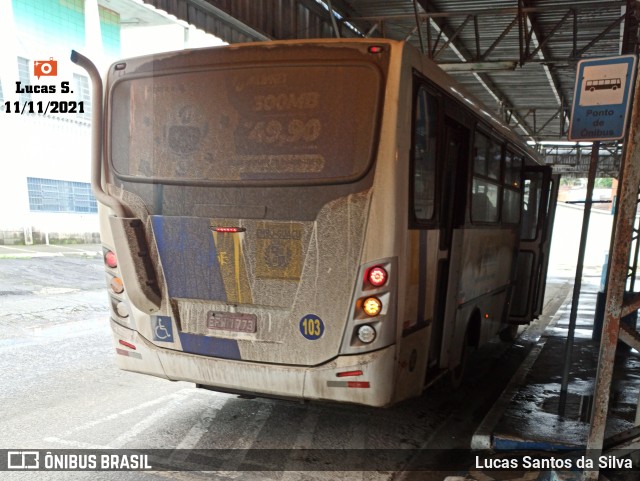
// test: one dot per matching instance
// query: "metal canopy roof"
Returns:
(518, 56)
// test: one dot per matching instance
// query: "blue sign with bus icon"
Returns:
(601, 98)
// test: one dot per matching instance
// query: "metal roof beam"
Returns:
(452, 37)
(463, 54)
(534, 35)
(499, 39)
(530, 32)
(493, 66)
(492, 12)
(235, 22)
(548, 37)
(617, 22)
(553, 117)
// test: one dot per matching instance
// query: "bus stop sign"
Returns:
(601, 98)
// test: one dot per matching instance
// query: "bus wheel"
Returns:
(456, 375)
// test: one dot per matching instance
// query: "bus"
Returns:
(603, 84)
(332, 220)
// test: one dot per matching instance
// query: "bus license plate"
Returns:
(229, 321)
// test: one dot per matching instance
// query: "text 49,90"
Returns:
(40, 107)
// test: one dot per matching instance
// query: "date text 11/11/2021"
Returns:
(48, 107)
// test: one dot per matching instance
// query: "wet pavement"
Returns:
(64, 291)
(40, 250)
(62, 390)
(44, 286)
(532, 418)
(528, 417)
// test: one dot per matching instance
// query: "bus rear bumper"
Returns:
(373, 387)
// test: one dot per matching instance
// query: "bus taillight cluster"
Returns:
(375, 278)
(118, 306)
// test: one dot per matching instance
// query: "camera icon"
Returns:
(45, 68)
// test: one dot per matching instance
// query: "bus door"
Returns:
(538, 212)
(455, 151)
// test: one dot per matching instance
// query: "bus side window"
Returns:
(424, 155)
(511, 189)
(485, 189)
(484, 201)
(530, 208)
(480, 154)
(494, 160)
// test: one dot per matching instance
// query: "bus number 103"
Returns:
(312, 327)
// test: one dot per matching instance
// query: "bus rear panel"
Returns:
(249, 172)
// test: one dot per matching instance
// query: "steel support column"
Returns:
(615, 303)
(593, 167)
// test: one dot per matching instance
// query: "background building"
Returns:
(45, 195)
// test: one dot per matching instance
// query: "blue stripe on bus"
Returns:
(210, 346)
(189, 258)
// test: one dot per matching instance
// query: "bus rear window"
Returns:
(276, 124)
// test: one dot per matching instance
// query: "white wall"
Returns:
(135, 41)
(44, 148)
(566, 239)
(59, 148)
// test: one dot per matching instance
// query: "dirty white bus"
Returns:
(318, 220)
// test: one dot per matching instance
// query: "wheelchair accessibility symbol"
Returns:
(162, 328)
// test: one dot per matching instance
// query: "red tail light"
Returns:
(377, 276)
(349, 373)
(227, 230)
(110, 259)
(358, 384)
(127, 344)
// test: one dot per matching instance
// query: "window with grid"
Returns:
(49, 195)
(83, 94)
(486, 188)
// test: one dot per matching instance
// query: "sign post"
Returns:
(600, 108)
(601, 98)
